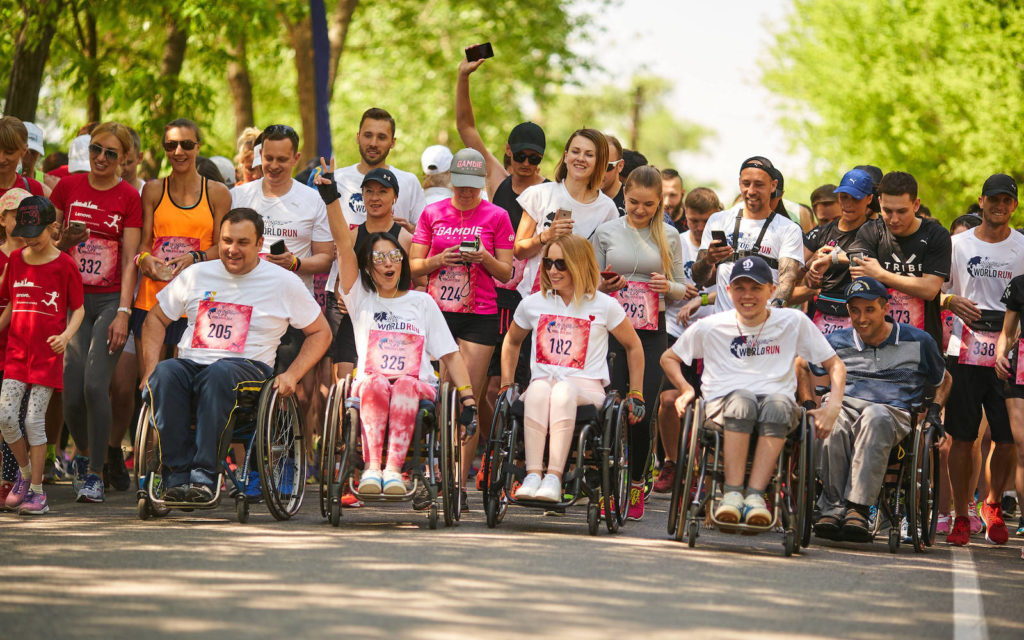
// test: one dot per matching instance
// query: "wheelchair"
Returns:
(598, 464)
(434, 459)
(698, 487)
(270, 429)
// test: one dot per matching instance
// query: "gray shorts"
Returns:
(774, 415)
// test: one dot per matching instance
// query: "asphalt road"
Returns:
(95, 571)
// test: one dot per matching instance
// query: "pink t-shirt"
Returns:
(463, 288)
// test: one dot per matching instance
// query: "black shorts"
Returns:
(343, 347)
(975, 388)
(471, 327)
(332, 312)
(172, 336)
(288, 350)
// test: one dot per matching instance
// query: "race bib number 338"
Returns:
(978, 348)
(221, 325)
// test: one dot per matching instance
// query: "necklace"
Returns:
(752, 345)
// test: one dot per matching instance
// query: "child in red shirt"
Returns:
(8, 218)
(43, 285)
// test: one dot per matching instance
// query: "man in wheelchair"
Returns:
(749, 383)
(889, 365)
(238, 307)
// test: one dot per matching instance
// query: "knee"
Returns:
(739, 411)
(778, 413)
(563, 394)
(539, 391)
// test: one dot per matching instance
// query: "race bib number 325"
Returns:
(562, 341)
(221, 325)
(393, 354)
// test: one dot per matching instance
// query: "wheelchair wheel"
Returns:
(928, 486)
(451, 455)
(688, 502)
(593, 518)
(281, 455)
(242, 509)
(146, 469)
(651, 471)
(495, 460)
(810, 493)
(615, 467)
(789, 543)
(674, 505)
(921, 505)
(328, 442)
(802, 482)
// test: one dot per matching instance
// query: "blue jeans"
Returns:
(177, 387)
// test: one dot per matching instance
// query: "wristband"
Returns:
(124, 310)
(139, 258)
(503, 388)
(835, 257)
(635, 394)
(945, 298)
(704, 300)
(463, 388)
(297, 265)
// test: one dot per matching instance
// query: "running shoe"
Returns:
(17, 492)
(34, 504)
(349, 500)
(755, 511)
(977, 524)
(1009, 503)
(961, 533)
(1020, 527)
(995, 526)
(665, 478)
(115, 473)
(253, 492)
(905, 530)
(79, 470)
(730, 509)
(199, 493)
(942, 524)
(50, 471)
(531, 483)
(370, 482)
(92, 490)
(392, 483)
(421, 499)
(286, 479)
(550, 489)
(464, 499)
(176, 494)
(636, 502)
(5, 490)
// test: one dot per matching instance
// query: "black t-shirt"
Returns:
(620, 200)
(928, 250)
(506, 198)
(832, 299)
(1013, 298)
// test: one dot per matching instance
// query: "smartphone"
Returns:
(563, 214)
(479, 52)
(608, 275)
(469, 246)
(77, 226)
(278, 248)
(718, 237)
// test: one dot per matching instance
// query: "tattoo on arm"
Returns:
(702, 272)
(789, 270)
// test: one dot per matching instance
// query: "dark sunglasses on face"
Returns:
(558, 264)
(96, 150)
(612, 165)
(187, 145)
(522, 156)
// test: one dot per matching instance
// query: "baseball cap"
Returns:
(857, 183)
(226, 169)
(1000, 183)
(468, 169)
(12, 199)
(866, 288)
(754, 268)
(436, 159)
(34, 213)
(873, 171)
(824, 193)
(35, 137)
(527, 135)
(382, 176)
(759, 162)
(78, 154)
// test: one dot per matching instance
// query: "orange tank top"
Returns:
(176, 231)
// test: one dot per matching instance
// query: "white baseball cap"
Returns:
(35, 137)
(436, 159)
(78, 154)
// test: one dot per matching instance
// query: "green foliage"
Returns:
(933, 87)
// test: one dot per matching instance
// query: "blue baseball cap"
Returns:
(754, 268)
(857, 183)
(866, 288)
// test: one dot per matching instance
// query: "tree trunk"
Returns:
(31, 51)
(301, 35)
(240, 85)
(337, 35)
(92, 107)
(170, 68)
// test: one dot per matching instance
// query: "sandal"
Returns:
(855, 527)
(827, 527)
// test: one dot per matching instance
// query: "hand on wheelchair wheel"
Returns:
(468, 420)
(636, 410)
(933, 419)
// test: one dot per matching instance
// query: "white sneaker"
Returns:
(370, 482)
(393, 483)
(756, 511)
(550, 489)
(529, 487)
(730, 509)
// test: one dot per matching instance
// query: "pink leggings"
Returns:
(384, 403)
(549, 403)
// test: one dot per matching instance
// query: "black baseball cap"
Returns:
(382, 176)
(866, 288)
(1000, 183)
(34, 215)
(527, 135)
(752, 267)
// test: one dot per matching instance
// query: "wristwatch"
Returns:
(124, 310)
(778, 303)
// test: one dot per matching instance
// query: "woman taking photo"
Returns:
(570, 320)
(398, 332)
(641, 265)
(100, 217)
(462, 244)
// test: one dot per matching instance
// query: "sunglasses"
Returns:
(558, 264)
(612, 165)
(522, 156)
(278, 129)
(95, 150)
(378, 257)
(187, 145)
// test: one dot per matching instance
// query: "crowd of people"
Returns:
(222, 272)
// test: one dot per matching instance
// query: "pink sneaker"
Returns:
(977, 524)
(636, 502)
(5, 490)
(34, 504)
(18, 491)
(942, 524)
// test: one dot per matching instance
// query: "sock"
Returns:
(728, 488)
(51, 453)
(37, 488)
(751, 491)
(26, 471)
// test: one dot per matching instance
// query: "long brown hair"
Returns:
(581, 264)
(648, 177)
(600, 159)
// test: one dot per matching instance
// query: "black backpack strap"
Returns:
(756, 249)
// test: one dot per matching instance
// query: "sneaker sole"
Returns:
(369, 491)
(1005, 536)
(88, 499)
(728, 517)
(37, 512)
(758, 521)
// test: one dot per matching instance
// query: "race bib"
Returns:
(640, 303)
(906, 308)
(320, 290)
(536, 279)
(518, 270)
(830, 324)
(393, 354)
(947, 328)
(978, 347)
(221, 325)
(1020, 371)
(449, 286)
(167, 248)
(98, 260)
(562, 341)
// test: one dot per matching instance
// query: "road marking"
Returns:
(968, 612)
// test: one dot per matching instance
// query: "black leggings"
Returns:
(654, 344)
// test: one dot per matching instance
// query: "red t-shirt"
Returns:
(4, 301)
(106, 214)
(33, 186)
(41, 295)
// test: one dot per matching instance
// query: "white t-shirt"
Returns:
(392, 333)
(569, 340)
(980, 271)
(437, 194)
(760, 360)
(299, 217)
(541, 201)
(233, 316)
(783, 239)
(689, 251)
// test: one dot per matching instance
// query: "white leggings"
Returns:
(551, 405)
(11, 394)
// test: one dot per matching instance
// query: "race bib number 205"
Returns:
(221, 325)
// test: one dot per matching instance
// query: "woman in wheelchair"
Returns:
(398, 333)
(570, 320)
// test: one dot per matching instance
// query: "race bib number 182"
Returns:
(563, 341)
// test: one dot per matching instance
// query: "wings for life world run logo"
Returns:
(981, 267)
(740, 349)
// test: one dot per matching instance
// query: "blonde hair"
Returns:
(13, 134)
(600, 159)
(580, 262)
(246, 142)
(648, 177)
(116, 129)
